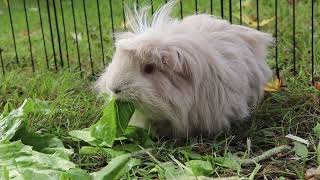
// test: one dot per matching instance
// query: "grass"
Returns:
(294, 110)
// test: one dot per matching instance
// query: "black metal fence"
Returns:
(47, 34)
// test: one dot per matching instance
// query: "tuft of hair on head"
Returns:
(139, 22)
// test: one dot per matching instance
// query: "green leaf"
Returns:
(11, 122)
(316, 130)
(114, 121)
(137, 134)
(172, 171)
(75, 174)
(85, 135)
(89, 150)
(22, 161)
(301, 150)
(112, 124)
(4, 173)
(200, 168)
(46, 143)
(14, 126)
(227, 162)
(114, 170)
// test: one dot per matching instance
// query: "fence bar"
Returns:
(124, 15)
(43, 37)
(65, 33)
(29, 38)
(100, 31)
(294, 35)
(58, 32)
(211, 7)
(196, 6)
(152, 10)
(230, 11)
(181, 10)
(221, 4)
(312, 42)
(2, 64)
(88, 34)
(13, 35)
(112, 23)
(51, 33)
(137, 3)
(77, 42)
(258, 19)
(276, 37)
(240, 11)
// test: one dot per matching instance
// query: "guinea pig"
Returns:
(188, 77)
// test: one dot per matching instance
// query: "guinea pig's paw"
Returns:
(162, 129)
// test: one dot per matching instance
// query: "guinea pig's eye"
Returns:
(149, 68)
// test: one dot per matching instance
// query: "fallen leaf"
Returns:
(274, 85)
(312, 174)
(266, 21)
(301, 150)
(199, 167)
(33, 9)
(251, 21)
(317, 85)
(247, 4)
(298, 139)
(316, 130)
(115, 169)
(75, 36)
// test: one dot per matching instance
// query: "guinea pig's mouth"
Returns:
(123, 96)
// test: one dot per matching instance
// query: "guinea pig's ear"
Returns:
(174, 60)
(123, 35)
(127, 44)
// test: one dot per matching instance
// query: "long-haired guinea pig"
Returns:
(187, 77)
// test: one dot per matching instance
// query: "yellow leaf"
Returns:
(251, 22)
(247, 4)
(266, 21)
(273, 86)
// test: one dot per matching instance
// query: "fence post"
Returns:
(51, 34)
(112, 23)
(12, 31)
(65, 35)
(76, 34)
(58, 32)
(88, 35)
(312, 42)
(258, 17)
(240, 4)
(43, 37)
(100, 32)
(294, 35)
(2, 64)
(276, 37)
(29, 38)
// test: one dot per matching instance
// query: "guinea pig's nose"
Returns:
(116, 90)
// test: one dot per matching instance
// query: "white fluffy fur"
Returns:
(209, 73)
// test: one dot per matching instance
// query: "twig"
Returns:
(265, 155)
